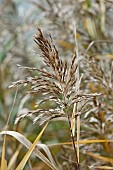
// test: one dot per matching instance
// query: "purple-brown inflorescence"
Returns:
(57, 82)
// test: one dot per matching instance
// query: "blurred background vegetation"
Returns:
(94, 22)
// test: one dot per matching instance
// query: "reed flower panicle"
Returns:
(57, 82)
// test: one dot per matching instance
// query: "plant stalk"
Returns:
(73, 141)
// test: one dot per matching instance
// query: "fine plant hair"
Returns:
(56, 83)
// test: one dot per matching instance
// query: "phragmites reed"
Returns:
(57, 83)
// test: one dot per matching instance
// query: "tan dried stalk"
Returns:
(75, 108)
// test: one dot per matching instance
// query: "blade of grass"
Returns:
(66, 45)
(96, 41)
(102, 158)
(47, 151)
(104, 167)
(14, 158)
(82, 142)
(3, 160)
(91, 27)
(102, 17)
(26, 157)
(24, 141)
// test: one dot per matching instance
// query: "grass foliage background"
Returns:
(94, 22)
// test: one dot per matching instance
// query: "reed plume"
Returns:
(56, 82)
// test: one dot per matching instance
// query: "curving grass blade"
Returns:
(26, 157)
(3, 160)
(102, 158)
